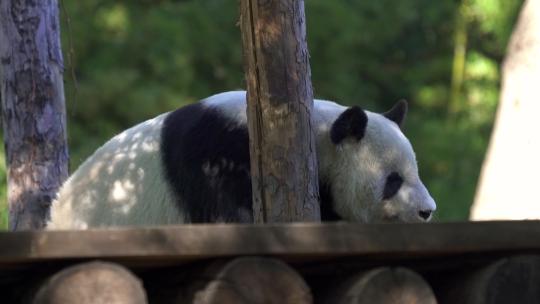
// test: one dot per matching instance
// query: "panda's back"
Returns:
(189, 165)
(205, 152)
(122, 183)
(232, 105)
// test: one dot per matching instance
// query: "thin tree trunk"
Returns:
(280, 101)
(458, 64)
(509, 180)
(33, 108)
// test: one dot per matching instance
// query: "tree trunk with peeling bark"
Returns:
(280, 101)
(33, 108)
(507, 187)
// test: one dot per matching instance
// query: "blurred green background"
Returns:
(127, 61)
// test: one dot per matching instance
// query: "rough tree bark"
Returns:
(280, 101)
(33, 109)
(507, 187)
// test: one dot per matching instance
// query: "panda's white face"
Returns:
(389, 174)
(370, 165)
(375, 178)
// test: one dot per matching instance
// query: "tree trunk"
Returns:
(280, 101)
(507, 187)
(458, 62)
(33, 109)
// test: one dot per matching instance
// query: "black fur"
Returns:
(392, 185)
(327, 203)
(351, 123)
(194, 136)
(398, 112)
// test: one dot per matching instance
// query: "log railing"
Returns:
(485, 262)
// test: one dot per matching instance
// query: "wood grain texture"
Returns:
(33, 110)
(90, 283)
(280, 101)
(509, 280)
(179, 244)
(248, 280)
(382, 285)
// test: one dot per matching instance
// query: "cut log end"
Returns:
(252, 280)
(383, 286)
(508, 280)
(95, 282)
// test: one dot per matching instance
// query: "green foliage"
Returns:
(493, 20)
(135, 59)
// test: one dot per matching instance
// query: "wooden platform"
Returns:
(180, 244)
(313, 250)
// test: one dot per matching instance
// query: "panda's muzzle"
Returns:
(425, 214)
(425, 204)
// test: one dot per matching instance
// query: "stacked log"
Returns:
(94, 282)
(481, 263)
(514, 279)
(383, 285)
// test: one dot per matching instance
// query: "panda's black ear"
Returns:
(351, 123)
(398, 112)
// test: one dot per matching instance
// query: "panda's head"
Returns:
(374, 170)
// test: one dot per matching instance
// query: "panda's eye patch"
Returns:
(392, 185)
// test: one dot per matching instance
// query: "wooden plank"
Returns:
(288, 241)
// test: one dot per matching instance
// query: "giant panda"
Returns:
(192, 166)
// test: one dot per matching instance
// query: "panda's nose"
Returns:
(425, 214)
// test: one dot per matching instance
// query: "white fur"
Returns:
(231, 104)
(358, 193)
(122, 183)
(382, 150)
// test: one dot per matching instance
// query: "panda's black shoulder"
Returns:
(200, 132)
(205, 156)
